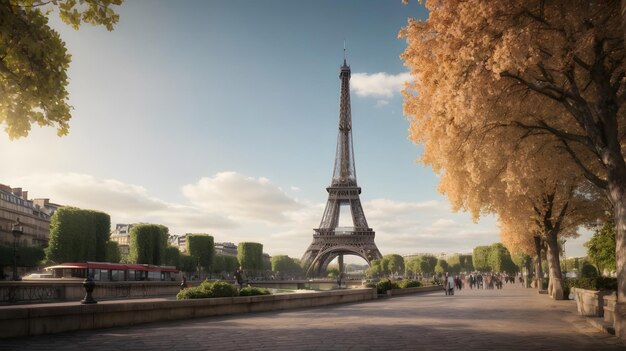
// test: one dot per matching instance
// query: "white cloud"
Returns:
(411, 227)
(125, 203)
(233, 207)
(236, 196)
(378, 85)
(381, 103)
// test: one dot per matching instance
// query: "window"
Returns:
(94, 273)
(104, 275)
(154, 275)
(117, 274)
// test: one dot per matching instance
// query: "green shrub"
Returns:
(588, 270)
(385, 285)
(192, 293)
(371, 285)
(597, 283)
(253, 291)
(221, 289)
(407, 283)
(208, 289)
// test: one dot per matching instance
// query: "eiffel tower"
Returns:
(343, 229)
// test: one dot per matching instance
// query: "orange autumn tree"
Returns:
(544, 214)
(495, 79)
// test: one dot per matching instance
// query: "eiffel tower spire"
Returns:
(343, 228)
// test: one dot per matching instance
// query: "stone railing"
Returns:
(24, 292)
(24, 320)
(72, 290)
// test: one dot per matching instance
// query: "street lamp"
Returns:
(17, 231)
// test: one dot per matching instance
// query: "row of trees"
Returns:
(492, 258)
(78, 235)
(520, 110)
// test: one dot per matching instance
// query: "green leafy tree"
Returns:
(428, 264)
(34, 60)
(27, 256)
(522, 261)
(500, 259)
(202, 248)
(148, 243)
(78, 235)
(412, 267)
(375, 269)
(458, 263)
(332, 271)
(286, 266)
(480, 258)
(187, 264)
(171, 256)
(393, 264)
(113, 252)
(441, 267)
(601, 247)
(224, 263)
(588, 270)
(466, 263)
(250, 256)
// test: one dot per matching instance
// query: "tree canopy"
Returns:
(601, 247)
(34, 60)
(78, 235)
(202, 248)
(286, 266)
(250, 256)
(510, 98)
(148, 243)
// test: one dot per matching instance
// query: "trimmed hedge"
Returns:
(594, 283)
(407, 283)
(148, 243)
(208, 289)
(254, 291)
(218, 288)
(386, 284)
(78, 235)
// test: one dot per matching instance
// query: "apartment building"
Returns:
(34, 217)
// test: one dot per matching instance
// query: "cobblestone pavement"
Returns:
(513, 318)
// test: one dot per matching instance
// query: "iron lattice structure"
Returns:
(343, 229)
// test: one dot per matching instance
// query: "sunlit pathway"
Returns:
(508, 319)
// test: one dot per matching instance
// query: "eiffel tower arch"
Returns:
(343, 229)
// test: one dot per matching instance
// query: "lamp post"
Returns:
(17, 231)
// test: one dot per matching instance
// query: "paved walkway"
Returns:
(510, 319)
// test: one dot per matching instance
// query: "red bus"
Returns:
(105, 271)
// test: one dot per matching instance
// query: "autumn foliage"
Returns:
(519, 107)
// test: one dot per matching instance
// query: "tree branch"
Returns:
(600, 183)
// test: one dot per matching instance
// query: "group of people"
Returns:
(477, 280)
(450, 283)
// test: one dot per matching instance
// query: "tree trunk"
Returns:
(623, 11)
(555, 286)
(617, 192)
(537, 259)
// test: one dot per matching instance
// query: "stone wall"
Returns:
(20, 321)
(72, 290)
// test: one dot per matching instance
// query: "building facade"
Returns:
(34, 217)
(226, 249)
(121, 235)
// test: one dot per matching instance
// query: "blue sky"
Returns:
(221, 117)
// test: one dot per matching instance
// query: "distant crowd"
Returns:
(477, 280)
